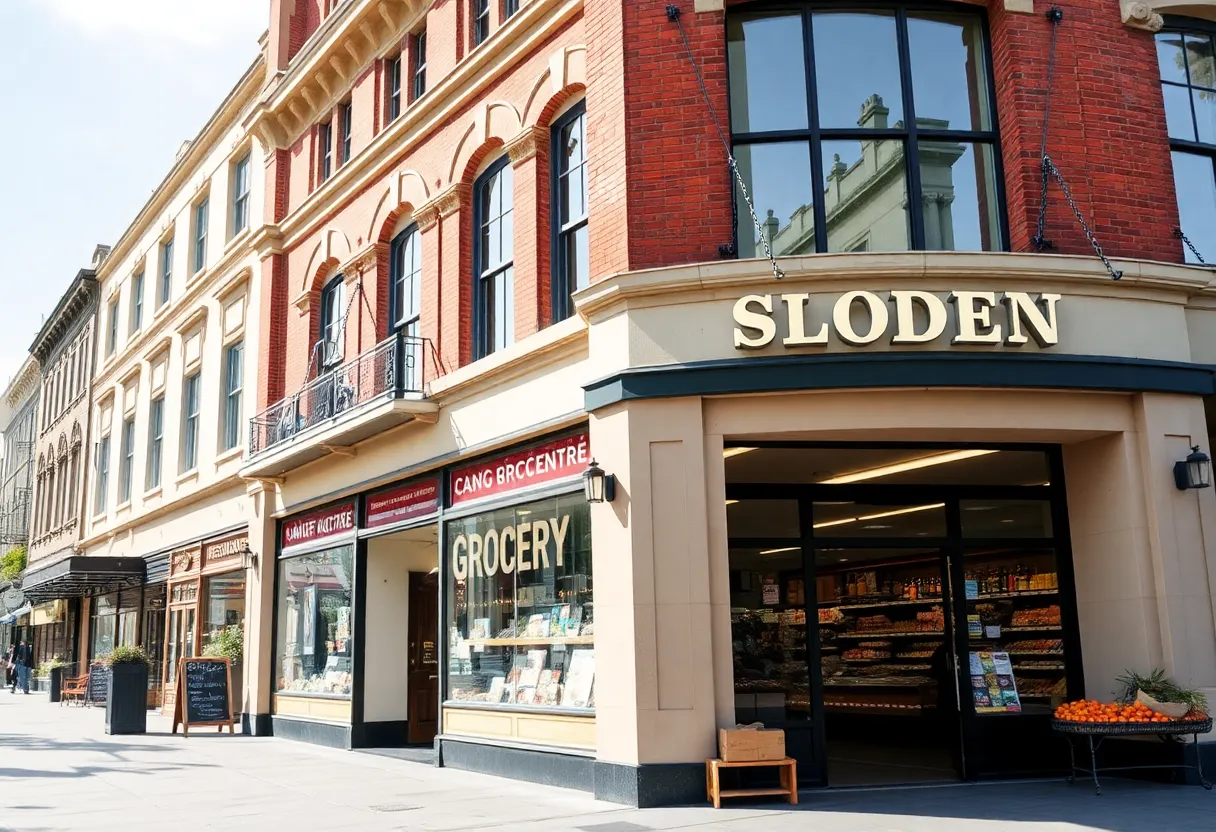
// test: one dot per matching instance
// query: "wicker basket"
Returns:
(1195, 726)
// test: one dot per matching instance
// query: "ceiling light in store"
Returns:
(731, 502)
(779, 551)
(729, 452)
(880, 515)
(907, 465)
(877, 526)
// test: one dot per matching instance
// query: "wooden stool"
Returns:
(788, 775)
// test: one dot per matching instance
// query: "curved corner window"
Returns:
(1187, 64)
(493, 260)
(864, 130)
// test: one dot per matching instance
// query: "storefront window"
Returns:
(154, 632)
(315, 647)
(522, 628)
(103, 625)
(225, 605)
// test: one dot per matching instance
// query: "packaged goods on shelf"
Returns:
(1036, 645)
(859, 653)
(830, 615)
(1041, 616)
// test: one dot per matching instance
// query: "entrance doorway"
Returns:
(906, 613)
(423, 683)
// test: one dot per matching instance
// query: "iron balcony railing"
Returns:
(392, 369)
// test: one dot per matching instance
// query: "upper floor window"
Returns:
(1187, 62)
(127, 467)
(333, 322)
(405, 272)
(345, 112)
(481, 21)
(571, 249)
(325, 145)
(864, 130)
(156, 441)
(137, 302)
(419, 66)
(233, 376)
(493, 260)
(166, 272)
(191, 392)
(200, 236)
(112, 332)
(103, 475)
(240, 195)
(393, 86)
(509, 7)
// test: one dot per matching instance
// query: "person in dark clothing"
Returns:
(24, 659)
(10, 669)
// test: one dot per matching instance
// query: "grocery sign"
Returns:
(402, 503)
(553, 461)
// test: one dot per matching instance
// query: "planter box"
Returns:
(127, 699)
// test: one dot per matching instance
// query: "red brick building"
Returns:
(504, 233)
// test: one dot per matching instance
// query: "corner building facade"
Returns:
(899, 490)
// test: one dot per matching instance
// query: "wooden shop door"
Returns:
(423, 658)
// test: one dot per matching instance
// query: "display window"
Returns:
(225, 597)
(315, 640)
(521, 616)
(103, 625)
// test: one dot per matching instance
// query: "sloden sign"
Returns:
(550, 462)
(403, 503)
(319, 526)
(920, 318)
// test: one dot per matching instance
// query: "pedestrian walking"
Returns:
(24, 659)
(10, 667)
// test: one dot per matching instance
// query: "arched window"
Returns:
(493, 259)
(333, 310)
(1187, 64)
(571, 244)
(405, 274)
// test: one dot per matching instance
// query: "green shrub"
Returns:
(128, 654)
(12, 564)
(229, 644)
(44, 670)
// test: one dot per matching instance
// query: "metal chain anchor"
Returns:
(1178, 235)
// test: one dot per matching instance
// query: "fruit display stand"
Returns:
(1095, 733)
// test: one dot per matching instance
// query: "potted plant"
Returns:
(127, 691)
(52, 673)
(1162, 695)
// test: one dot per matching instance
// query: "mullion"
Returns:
(911, 145)
(1190, 86)
(818, 208)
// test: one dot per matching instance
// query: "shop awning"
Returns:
(12, 617)
(79, 576)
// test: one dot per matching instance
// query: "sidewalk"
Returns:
(59, 771)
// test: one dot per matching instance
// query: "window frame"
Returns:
(911, 135)
(1187, 25)
(112, 330)
(240, 196)
(561, 305)
(156, 442)
(481, 21)
(325, 151)
(345, 112)
(481, 336)
(202, 212)
(336, 284)
(234, 357)
(165, 287)
(509, 9)
(126, 468)
(418, 66)
(101, 496)
(399, 322)
(392, 88)
(137, 304)
(191, 392)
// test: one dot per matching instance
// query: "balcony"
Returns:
(379, 390)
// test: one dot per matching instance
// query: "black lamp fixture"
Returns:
(598, 486)
(249, 558)
(1194, 471)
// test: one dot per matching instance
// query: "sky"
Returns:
(98, 96)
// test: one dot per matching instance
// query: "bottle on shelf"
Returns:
(914, 590)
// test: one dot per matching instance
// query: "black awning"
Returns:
(79, 576)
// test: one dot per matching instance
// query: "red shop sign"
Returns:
(550, 462)
(402, 503)
(336, 522)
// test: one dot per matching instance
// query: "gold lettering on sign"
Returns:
(224, 549)
(536, 545)
(182, 561)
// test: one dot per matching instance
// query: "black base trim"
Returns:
(644, 786)
(391, 734)
(257, 725)
(901, 369)
(317, 733)
(1117, 751)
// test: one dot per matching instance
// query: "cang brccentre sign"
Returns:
(860, 318)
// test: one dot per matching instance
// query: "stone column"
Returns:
(260, 670)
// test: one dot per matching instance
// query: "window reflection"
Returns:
(778, 178)
(1187, 66)
(865, 192)
(856, 58)
(949, 83)
(767, 76)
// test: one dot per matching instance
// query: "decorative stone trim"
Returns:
(526, 145)
(363, 262)
(449, 201)
(1020, 6)
(1140, 15)
(427, 216)
(708, 5)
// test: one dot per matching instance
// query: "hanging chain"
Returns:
(1050, 171)
(673, 14)
(1050, 168)
(1178, 235)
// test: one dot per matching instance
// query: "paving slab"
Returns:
(60, 772)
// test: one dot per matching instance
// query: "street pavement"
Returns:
(60, 771)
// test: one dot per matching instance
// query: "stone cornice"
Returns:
(78, 302)
(24, 384)
(527, 144)
(1074, 274)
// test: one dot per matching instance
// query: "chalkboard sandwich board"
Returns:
(204, 694)
(97, 688)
